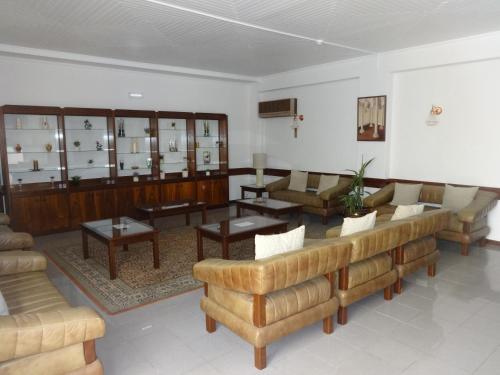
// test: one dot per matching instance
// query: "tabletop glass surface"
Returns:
(241, 225)
(269, 203)
(117, 227)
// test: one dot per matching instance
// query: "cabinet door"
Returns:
(25, 214)
(91, 205)
(147, 194)
(125, 205)
(54, 212)
(220, 191)
(178, 191)
(204, 191)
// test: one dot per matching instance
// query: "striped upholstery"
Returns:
(30, 292)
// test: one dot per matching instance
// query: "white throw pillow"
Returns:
(326, 182)
(353, 225)
(402, 211)
(298, 181)
(4, 310)
(455, 198)
(267, 246)
(406, 194)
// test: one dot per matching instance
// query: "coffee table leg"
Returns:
(242, 193)
(199, 245)
(85, 245)
(152, 220)
(204, 215)
(125, 247)
(112, 260)
(225, 249)
(299, 219)
(156, 251)
(188, 219)
(238, 211)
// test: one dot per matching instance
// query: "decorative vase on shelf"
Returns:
(45, 123)
(172, 125)
(48, 147)
(19, 123)
(87, 125)
(35, 166)
(18, 148)
(121, 128)
(134, 147)
(122, 164)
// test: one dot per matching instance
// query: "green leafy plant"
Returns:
(353, 201)
(75, 180)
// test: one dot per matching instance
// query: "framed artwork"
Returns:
(371, 118)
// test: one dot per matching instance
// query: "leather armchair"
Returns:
(43, 335)
(264, 300)
(466, 226)
(10, 240)
(326, 204)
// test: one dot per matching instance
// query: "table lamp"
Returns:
(259, 163)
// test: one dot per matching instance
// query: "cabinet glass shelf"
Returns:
(82, 144)
(133, 145)
(207, 144)
(173, 144)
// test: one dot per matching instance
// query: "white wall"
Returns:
(460, 75)
(37, 82)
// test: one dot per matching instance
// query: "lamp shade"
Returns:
(259, 160)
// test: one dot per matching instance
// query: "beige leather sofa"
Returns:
(10, 240)
(43, 334)
(325, 204)
(466, 226)
(374, 263)
(264, 300)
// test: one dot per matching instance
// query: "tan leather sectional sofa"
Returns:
(465, 227)
(43, 334)
(325, 204)
(10, 240)
(266, 299)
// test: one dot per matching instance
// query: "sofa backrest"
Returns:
(313, 180)
(432, 194)
(428, 223)
(384, 237)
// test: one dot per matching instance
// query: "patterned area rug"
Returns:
(138, 283)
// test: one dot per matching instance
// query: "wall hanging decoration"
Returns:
(371, 118)
(433, 118)
(295, 124)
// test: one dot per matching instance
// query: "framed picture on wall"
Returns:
(371, 118)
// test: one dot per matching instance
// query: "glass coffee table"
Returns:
(271, 207)
(120, 231)
(174, 208)
(233, 230)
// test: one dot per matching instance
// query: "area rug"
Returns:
(138, 282)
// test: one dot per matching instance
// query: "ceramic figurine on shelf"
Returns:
(146, 130)
(121, 128)
(90, 162)
(206, 128)
(45, 123)
(149, 163)
(122, 164)
(19, 123)
(48, 147)
(206, 157)
(87, 125)
(98, 146)
(77, 145)
(172, 125)
(18, 148)
(35, 166)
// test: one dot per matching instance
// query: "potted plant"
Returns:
(75, 180)
(353, 201)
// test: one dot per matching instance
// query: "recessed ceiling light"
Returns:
(135, 95)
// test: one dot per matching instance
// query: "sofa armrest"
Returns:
(334, 232)
(27, 334)
(380, 197)
(18, 261)
(479, 207)
(16, 241)
(281, 184)
(276, 272)
(341, 188)
(4, 219)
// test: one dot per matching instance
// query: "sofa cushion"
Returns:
(298, 181)
(456, 225)
(406, 194)
(269, 245)
(279, 305)
(5, 229)
(307, 198)
(30, 292)
(418, 248)
(4, 310)
(326, 182)
(368, 269)
(354, 225)
(403, 212)
(455, 198)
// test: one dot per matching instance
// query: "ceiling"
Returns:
(148, 32)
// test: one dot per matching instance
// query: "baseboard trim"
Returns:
(493, 242)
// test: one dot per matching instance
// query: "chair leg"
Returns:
(465, 249)
(260, 358)
(431, 270)
(328, 325)
(398, 286)
(210, 324)
(388, 293)
(342, 315)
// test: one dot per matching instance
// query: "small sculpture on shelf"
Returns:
(122, 164)
(48, 147)
(87, 125)
(98, 146)
(172, 125)
(19, 183)
(206, 128)
(45, 123)
(134, 167)
(121, 128)
(77, 145)
(162, 158)
(149, 163)
(172, 145)
(75, 180)
(206, 157)
(35, 166)
(147, 130)
(90, 162)
(52, 178)
(18, 148)
(19, 123)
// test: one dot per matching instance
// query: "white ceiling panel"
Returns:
(209, 34)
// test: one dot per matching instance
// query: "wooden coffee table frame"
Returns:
(187, 210)
(274, 212)
(225, 240)
(113, 243)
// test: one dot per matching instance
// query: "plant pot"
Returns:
(358, 213)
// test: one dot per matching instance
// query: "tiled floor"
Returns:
(446, 325)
